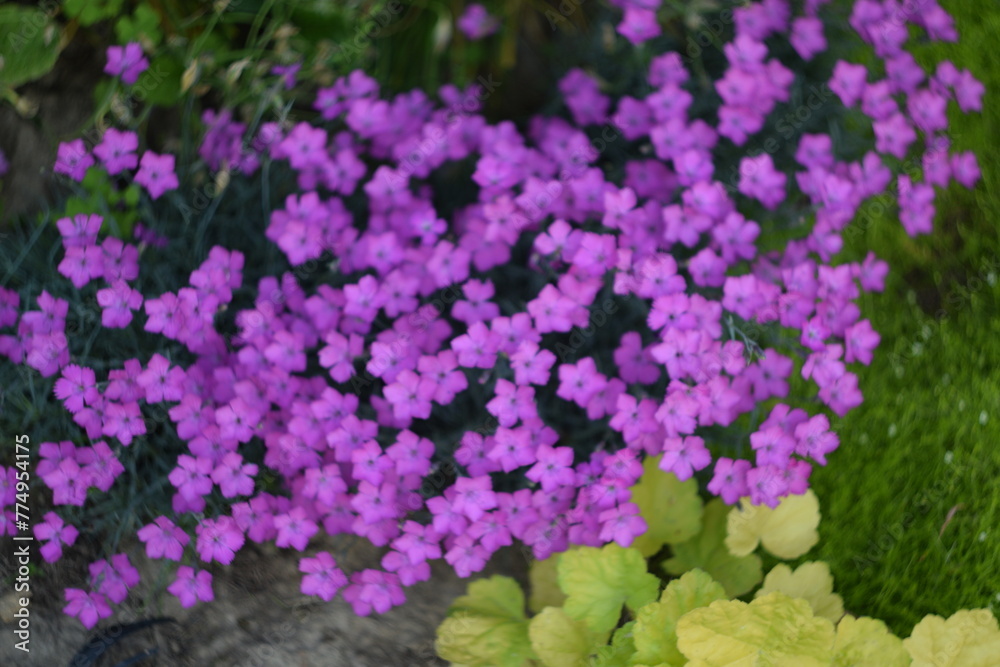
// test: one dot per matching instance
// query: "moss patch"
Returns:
(911, 501)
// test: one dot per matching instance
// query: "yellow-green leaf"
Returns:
(560, 641)
(969, 638)
(810, 581)
(774, 630)
(707, 551)
(621, 650)
(787, 531)
(867, 642)
(487, 626)
(672, 508)
(656, 623)
(597, 582)
(544, 585)
(483, 641)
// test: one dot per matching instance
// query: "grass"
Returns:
(910, 502)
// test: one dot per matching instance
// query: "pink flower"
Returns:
(163, 539)
(73, 159)
(117, 150)
(683, 456)
(156, 173)
(115, 578)
(294, 529)
(233, 476)
(372, 590)
(474, 496)
(476, 23)
(322, 576)
(76, 387)
(219, 539)
(88, 607)
(126, 61)
(622, 524)
(55, 534)
(117, 303)
(190, 587)
(553, 469)
(729, 480)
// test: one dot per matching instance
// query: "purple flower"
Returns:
(476, 23)
(190, 587)
(126, 61)
(156, 174)
(55, 534)
(372, 590)
(73, 159)
(683, 456)
(88, 607)
(115, 578)
(322, 576)
(294, 529)
(117, 150)
(219, 539)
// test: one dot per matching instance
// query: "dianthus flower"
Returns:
(126, 61)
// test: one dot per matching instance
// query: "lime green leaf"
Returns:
(969, 638)
(598, 582)
(656, 623)
(621, 650)
(772, 630)
(544, 585)
(810, 581)
(787, 531)
(496, 596)
(671, 508)
(487, 626)
(706, 551)
(867, 642)
(29, 45)
(560, 641)
(161, 83)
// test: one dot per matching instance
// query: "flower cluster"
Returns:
(423, 316)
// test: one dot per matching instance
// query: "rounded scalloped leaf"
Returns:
(707, 551)
(671, 508)
(483, 641)
(487, 626)
(969, 638)
(787, 531)
(544, 585)
(560, 641)
(656, 623)
(867, 642)
(772, 630)
(494, 596)
(597, 582)
(619, 653)
(811, 582)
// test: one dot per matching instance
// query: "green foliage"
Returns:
(487, 626)
(707, 551)
(672, 508)
(597, 582)
(912, 488)
(89, 12)
(774, 629)
(29, 45)
(793, 620)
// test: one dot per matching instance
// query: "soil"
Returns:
(259, 617)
